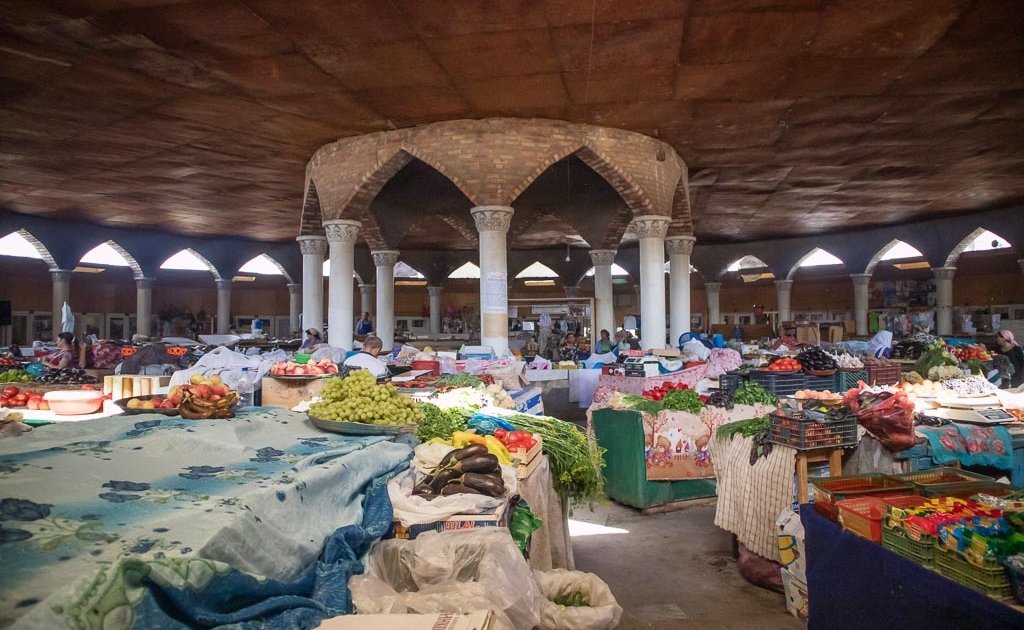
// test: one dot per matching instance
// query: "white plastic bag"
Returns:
(372, 595)
(603, 613)
(335, 355)
(415, 510)
(696, 349)
(459, 572)
(604, 358)
(228, 364)
(539, 363)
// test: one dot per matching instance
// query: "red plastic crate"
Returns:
(829, 490)
(863, 516)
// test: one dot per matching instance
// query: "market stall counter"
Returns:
(855, 583)
(155, 520)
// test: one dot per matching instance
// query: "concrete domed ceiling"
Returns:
(794, 116)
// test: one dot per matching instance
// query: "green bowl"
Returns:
(301, 358)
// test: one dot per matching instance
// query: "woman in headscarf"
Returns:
(1008, 346)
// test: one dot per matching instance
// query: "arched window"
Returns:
(616, 271)
(465, 272)
(537, 270)
(190, 260)
(747, 262)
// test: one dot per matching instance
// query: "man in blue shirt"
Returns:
(365, 326)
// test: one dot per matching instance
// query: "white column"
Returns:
(61, 291)
(492, 223)
(861, 296)
(435, 310)
(366, 299)
(652, 229)
(784, 291)
(223, 306)
(295, 307)
(944, 300)
(341, 240)
(604, 302)
(713, 290)
(143, 305)
(385, 260)
(313, 249)
(679, 250)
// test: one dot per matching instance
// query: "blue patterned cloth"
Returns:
(151, 522)
(970, 445)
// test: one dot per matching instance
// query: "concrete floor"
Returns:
(672, 571)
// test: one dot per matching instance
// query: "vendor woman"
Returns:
(1008, 346)
(367, 358)
(604, 344)
(67, 352)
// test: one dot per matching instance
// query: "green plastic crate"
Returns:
(921, 552)
(848, 380)
(990, 579)
(625, 471)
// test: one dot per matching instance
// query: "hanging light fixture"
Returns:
(567, 257)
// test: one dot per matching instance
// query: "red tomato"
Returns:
(10, 391)
(500, 433)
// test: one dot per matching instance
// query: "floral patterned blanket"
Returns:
(155, 522)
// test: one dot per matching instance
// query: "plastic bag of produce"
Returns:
(886, 414)
(415, 510)
(459, 572)
(575, 600)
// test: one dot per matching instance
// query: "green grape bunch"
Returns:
(358, 398)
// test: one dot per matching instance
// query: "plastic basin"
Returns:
(74, 403)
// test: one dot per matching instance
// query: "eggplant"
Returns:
(463, 453)
(478, 464)
(423, 490)
(458, 488)
(491, 485)
(441, 478)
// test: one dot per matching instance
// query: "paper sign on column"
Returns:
(495, 297)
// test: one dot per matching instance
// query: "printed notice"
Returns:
(495, 297)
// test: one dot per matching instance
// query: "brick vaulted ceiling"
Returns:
(794, 116)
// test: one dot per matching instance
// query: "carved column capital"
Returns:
(435, 291)
(61, 275)
(144, 283)
(680, 245)
(385, 257)
(712, 287)
(860, 279)
(223, 284)
(492, 218)
(342, 230)
(651, 226)
(602, 256)
(295, 288)
(313, 244)
(944, 273)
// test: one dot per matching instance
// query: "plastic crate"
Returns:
(805, 434)
(946, 481)
(829, 490)
(921, 552)
(779, 384)
(990, 579)
(883, 374)
(731, 381)
(848, 380)
(821, 383)
(863, 516)
(1016, 582)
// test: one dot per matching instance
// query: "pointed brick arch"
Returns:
(312, 221)
(810, 252)
(133, 264)
(284, 272)
(209, 265)
(877, 258)
(44, 253)
(558, 155)
(636, 200)
(966, 242)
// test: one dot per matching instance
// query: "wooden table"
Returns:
(832, 455)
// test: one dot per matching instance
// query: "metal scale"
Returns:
(641, 366)
(979, 411)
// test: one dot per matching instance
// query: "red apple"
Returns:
(203, 391)
(219, 390)
(44, 405)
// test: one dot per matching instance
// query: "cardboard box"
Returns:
(498, 518)
(287, 394)
(789, 533)
(796, 596)
(482, 620)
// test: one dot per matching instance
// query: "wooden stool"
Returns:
(832, 455)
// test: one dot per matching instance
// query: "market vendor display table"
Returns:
(919, 456)
(82, 503)
(854, 583)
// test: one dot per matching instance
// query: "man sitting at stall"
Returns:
(367, 357)
(365, 326)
